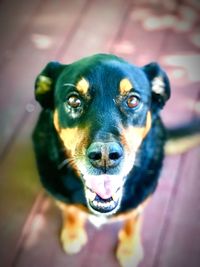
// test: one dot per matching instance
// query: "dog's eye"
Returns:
(74, 102)
(133, 101)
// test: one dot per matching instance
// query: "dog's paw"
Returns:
(73, 241)
(129, 252)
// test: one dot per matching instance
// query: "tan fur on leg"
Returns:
(73, 234)
(129, 251)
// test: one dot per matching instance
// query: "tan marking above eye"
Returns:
(125, 86)
(83, 86)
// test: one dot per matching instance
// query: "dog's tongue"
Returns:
(103, 185)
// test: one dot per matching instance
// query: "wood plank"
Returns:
(98, 29)
(135, 42)
(181, 246)
(154, 215)
(19, 185)
(180, 109)
(170, 251)
(15, 17)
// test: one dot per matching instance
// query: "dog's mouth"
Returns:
(103, 205)
(103, 193)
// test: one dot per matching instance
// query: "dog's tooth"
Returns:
(101, 205)
(91, 195)
(112, 203)
(95, 202)
(115, 196)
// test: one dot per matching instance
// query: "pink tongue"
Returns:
(103, 185)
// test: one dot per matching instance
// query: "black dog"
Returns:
(99, 143)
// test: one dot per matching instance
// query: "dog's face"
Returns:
(103, 108)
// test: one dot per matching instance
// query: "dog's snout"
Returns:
(105, 155)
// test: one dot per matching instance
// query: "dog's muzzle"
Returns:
(103, 191)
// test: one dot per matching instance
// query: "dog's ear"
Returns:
(159, 83)
(45, 83)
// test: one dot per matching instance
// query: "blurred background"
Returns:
(35, 32)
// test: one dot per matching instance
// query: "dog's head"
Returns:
(103, 108)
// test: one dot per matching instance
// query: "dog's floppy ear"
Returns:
(159, 83)
(45, 83)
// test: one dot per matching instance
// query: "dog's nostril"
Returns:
(95, 155)
(114, 155)
(104, 155)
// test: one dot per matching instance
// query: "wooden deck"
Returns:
(35, 32)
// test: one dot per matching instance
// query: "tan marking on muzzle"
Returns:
(125, 86)
(74, 139)
(132, 136)
(148, 124)
(131, 140)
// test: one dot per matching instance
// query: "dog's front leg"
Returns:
(129, 250)
(73, 234)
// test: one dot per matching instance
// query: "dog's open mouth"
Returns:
(102, 205)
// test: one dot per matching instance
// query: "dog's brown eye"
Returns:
(74, 101)
(133, 101)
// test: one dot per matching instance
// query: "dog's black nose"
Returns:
(105, 155)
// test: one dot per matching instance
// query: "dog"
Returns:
(99, 144)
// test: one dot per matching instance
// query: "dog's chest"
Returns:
(98, 221)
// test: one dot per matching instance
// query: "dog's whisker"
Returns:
(64, 163)
(69, 84)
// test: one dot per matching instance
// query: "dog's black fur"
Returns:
(106, 116)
